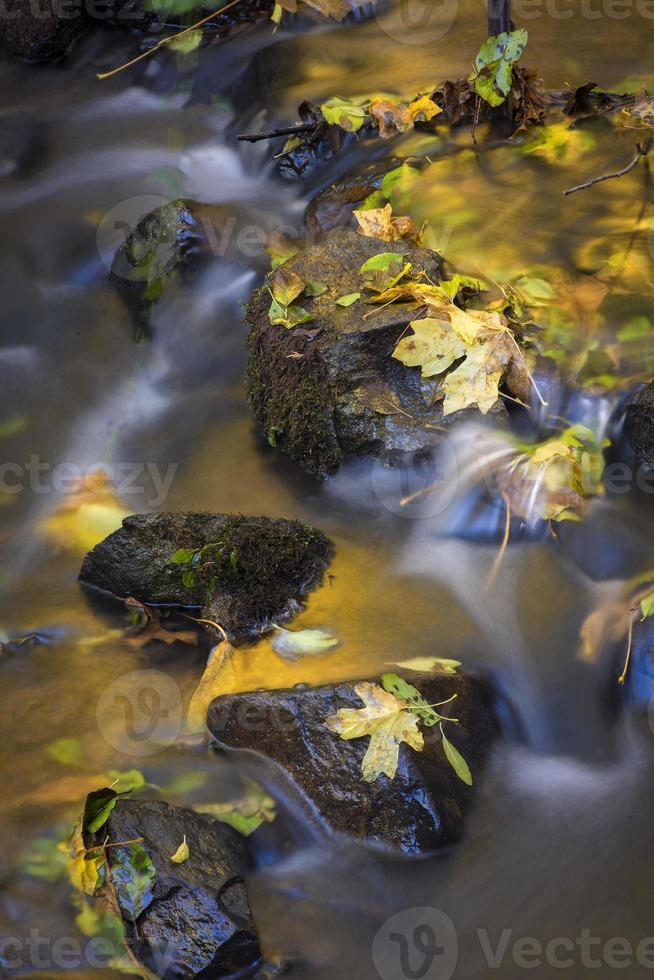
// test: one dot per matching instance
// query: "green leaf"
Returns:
(186, 43)
(288, 317)
(398, 180)
(245, 814)
(637, 329)
(384, 270)
(183, 556)
(182, 853)
(315, 288)
(287, 286)
(347, 115)
(132, 875)
(456, 760)
(493, 75)
(348, 300)
(647, 605)
(131, 779)
(99, 805)
(425, 665)
(67, 751)
(417, 704)
(188, 579)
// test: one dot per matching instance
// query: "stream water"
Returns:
(560, 845)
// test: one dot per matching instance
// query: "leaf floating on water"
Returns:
(67, 751)
(291, 645)
(246, 813)
(425, 665)
(212, 683)
(387, 721)
(132, 876)
(456, 760)
(182, 853)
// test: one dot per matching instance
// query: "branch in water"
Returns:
(641, 151)
(287, 131)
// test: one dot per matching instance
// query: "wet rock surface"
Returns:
(421, 809)
(199, 922)
(40, 33)
(333, 206)
(639, 425)
(258, 573)
(330, 390)
(167, 243)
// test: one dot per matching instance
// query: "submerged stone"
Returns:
(421, 809)
(639, 425)
(256, 572)
(42, 31)
(167, 243)
(330, 390)
(199, 921)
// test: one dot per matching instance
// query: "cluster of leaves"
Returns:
(391, 715)
(285, 289)
(472, 351)
(197, 560)
(493, 74)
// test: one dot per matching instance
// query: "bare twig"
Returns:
(625, 670)
(167, 40)
(499, 557)
(284, 131)
(641, 151)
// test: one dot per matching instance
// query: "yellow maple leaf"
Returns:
(475, 381)
(423, 109)
(386, 720)
(380, 223)
(433, 346)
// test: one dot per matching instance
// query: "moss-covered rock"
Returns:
(199, 921)
(331, 390)
(252, 572)
(421, 809)
(41, 33)
(168, 242)
(639, 425)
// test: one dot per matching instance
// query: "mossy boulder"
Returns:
(167, 243)
(199, 921)
(254, 572)
(639, 425)
(41, 33)
(421, 809)
(330, 390)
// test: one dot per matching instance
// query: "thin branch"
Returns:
(625, 670)
(492, 575)
(641, 151)
(274, 133)
(167, 40)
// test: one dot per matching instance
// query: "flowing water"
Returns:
(560, 842)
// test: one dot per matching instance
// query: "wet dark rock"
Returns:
(199, 922)
(639, 425)
(266, 568)
(333, 206)
(345, 396)
(41, 33)
(138, 15)
(167, 243)
(422, 808)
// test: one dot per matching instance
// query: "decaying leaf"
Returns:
(380, 223)
(390, 118)
(246, 813)
(493, 74)
(384, 270)
(147, 627)
(293, 644)
(388, 722)
(425, 665)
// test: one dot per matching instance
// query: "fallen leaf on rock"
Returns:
(388, 722)
(456, 760)
(433, 346)
(348, 299)
(182, 853)
(384, 270)
(132, 877)
(380, 223)
(85, 867)
(415, 702)
(286, 286)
